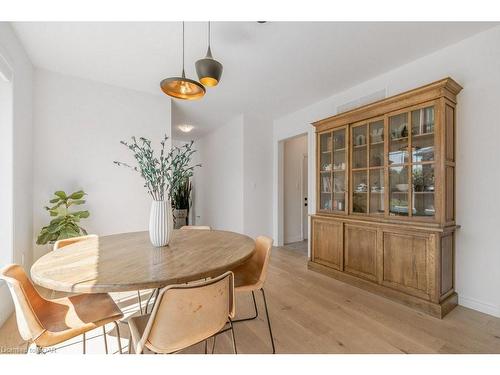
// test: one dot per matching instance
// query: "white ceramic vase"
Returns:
(161, 223)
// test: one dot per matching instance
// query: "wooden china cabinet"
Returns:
(385, 216)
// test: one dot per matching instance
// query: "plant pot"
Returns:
(180, 218)
(161, 223)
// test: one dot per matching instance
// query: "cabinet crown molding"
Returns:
(446, 87)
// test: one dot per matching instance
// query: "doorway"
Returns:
(295, 192)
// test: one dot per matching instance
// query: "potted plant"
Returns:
(65, 223)
(181, 203)
(162, 175)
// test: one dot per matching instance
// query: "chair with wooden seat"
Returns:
(46, 323)
(185, 315)
(69, 241)
(154, 294)
(251, 276)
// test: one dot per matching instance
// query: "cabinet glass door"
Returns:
(423, 189)
(360, 192)
(339, 170)
(359, 147)
(359, 167)
(377, 144)
(411, 163)
(422, 135)
(398, 198)
(377, 197)
(376, 164)
(422, 146)
(398, 145)
(325, 172)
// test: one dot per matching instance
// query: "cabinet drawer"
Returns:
(327, 243)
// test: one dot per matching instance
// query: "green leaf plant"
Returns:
(163, 174)
(65, 223)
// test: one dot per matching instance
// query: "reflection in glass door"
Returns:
(339, 170)
(325, 173)
(376, 166)
(422, 142)
(359, 141)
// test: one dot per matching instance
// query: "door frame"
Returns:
(302, 207)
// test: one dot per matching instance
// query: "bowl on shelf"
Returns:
(402, 187)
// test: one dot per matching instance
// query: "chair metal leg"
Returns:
(140, 302)
(84, 344)
(255, 309)
(268, 320)
(149, 300)
(118, 337)
(105, 339)
(232, 334)
(155, 293)
(213, 344)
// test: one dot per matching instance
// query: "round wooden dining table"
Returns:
(128, 261)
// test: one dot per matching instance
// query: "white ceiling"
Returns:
(269, 69)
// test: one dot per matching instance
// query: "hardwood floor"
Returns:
(312, 313)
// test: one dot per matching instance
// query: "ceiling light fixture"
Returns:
(185, 128)
(182, 87)
(208, 69)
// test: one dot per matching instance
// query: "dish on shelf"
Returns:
(402, 187)
(361, 188)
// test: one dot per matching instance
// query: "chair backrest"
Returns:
(68, 241)
(27, 301)
(189, 313)
(260, 259)
(198, 227)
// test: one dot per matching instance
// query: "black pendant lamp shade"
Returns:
(182, 87)
(208, 69)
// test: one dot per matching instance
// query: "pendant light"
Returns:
(209, 70)
(182, 87)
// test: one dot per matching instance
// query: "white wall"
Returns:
(474, 63)
(233, 188)
(218, 184)
(77, 129)
(294, 150)
(22, 156)
(6, 164)
(257, 176)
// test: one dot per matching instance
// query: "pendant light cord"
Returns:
(182, 46)
(209, 33)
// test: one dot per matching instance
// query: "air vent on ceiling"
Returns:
(373, 97)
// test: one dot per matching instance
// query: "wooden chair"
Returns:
(154, 294)
(251, 276)
(185, 315)
(68, 241)
(49, 322)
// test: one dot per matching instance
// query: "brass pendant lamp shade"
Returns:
(208, 69)
(182, 87)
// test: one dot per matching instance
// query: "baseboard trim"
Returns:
(293, 239)
(6, 307)
(480, 306)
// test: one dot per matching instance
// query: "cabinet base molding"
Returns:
(437, 310)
